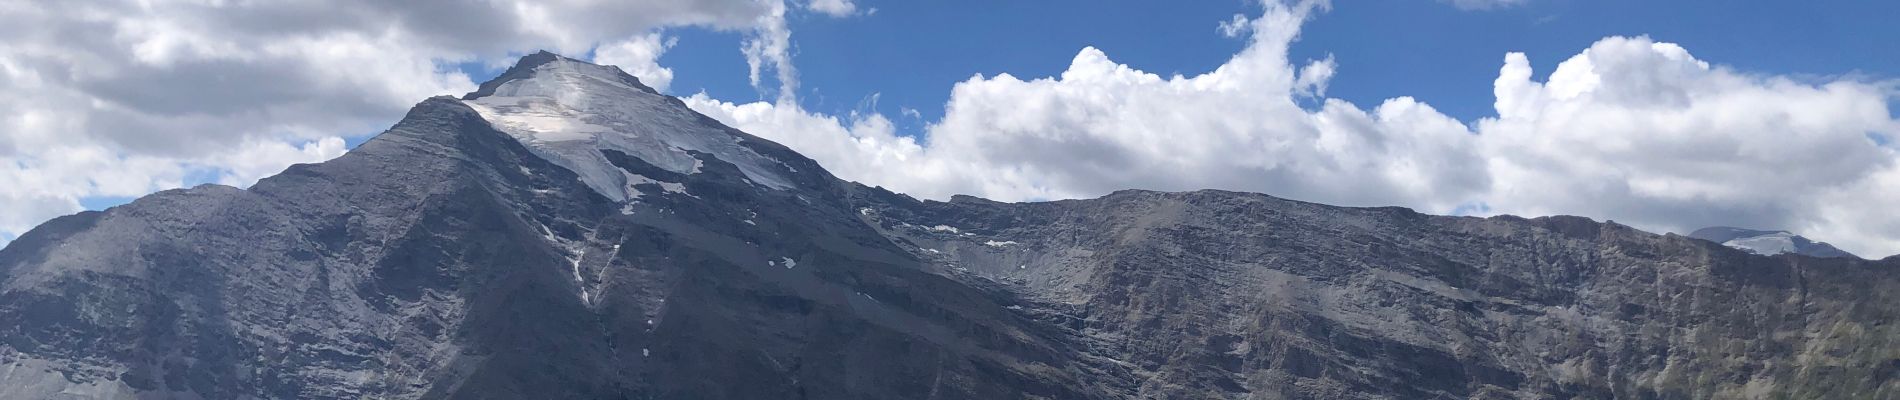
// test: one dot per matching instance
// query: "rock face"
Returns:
(1768, 242)
(566, 232)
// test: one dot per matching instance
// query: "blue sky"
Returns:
(910, 53)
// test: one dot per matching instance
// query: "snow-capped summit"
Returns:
(568, 111)
(1767, 242)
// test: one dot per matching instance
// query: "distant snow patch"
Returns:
(993, 243)
(574, 255)
(634, 180)
(1769, 244)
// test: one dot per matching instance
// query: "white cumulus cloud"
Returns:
(1102, 126)
(1643, 132)
(1631, 129)
(640, 56)
(262, 159)
(835, 8)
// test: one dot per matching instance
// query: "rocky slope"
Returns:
(566, 232)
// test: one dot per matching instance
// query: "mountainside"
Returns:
(566, 232)
(1768, 242)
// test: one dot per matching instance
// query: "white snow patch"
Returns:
(789, 262)
(567, 111)
(994, 243)
(574, 254)
(671, 187)
(864, 211)
(944, 228)
(579, 281)
(538, 120)
(645, 353)
(668, 187)
(1769, 244)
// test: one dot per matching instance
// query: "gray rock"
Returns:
(449, 258)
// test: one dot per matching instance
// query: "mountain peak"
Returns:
(1766, 242)
(570, 111)
(525, 69)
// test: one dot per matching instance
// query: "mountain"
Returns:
(1768, 242)
(566, 232)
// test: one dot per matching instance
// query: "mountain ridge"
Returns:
(449, 257)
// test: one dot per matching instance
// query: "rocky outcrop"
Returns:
(1233, 295)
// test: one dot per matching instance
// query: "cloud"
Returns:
(835, 8)
(1101, 126)
(45, 182)
(1643, 132)
(149, 92)
(1236, 26)
(1631, 129)
(770, 49)
(265, 158)
(640, 56)
(863, 147)
(1485, 4)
